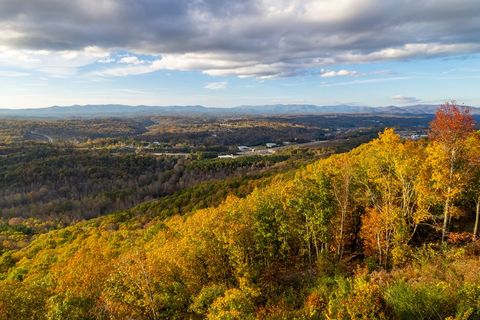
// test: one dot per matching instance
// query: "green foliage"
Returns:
(22, 301)
(354, 299)
(235, 304)
(420, 302)
(468, 306)
(72, 307)
(203, 301)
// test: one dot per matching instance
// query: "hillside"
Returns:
(385, 231)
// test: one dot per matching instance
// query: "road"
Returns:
(49, 139)
(270, 151)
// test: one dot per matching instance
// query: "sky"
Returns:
(224, 53)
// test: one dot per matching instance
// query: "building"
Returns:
(244, 148)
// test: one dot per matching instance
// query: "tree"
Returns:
(341, 171)
(473, 155)
(236, 303)
(390, 168)
(313, 201)
(449, 131)
(452, 125)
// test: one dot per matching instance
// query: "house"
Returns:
(415, 137)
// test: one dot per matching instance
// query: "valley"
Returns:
(280, 217)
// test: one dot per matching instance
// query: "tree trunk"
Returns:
(380, 260)
(340, 243)
(309, 241)
(445, 215)
(446, 210)
(477, 217)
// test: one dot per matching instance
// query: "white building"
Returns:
(244, 148)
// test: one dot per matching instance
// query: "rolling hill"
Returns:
(110, 110)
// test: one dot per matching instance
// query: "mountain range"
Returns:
(115, 110)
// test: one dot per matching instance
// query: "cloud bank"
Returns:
(249, 38)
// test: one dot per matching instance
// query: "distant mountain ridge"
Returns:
(114, 110)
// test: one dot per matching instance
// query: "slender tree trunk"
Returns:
(309, 241)
(387, 248)
(446, 209)
(477, 217)
(315, 244)
(380, 260)
(445, 215)
(340, 242)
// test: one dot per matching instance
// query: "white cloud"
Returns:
(62, 63)
(410, 50)
(131, 91)
(106, 60)
(128, 69)
(14, 74)
(250, 38)
(339, 73)
(364, 81)
(216, 85)
(405, 99)
(131, 60)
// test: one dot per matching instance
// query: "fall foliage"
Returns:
(357, 235)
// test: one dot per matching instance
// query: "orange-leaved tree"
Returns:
(449, 131)
(452, 125)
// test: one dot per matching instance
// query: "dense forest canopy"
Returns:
(387, 230)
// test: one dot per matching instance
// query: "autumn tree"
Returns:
(313, 201)
(448, 132)
(452, 125)
(473, 190)
(390, 169)
(341, 170)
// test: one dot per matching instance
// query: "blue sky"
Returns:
(228, 53)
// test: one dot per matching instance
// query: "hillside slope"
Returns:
(353, 236)
(99, 111)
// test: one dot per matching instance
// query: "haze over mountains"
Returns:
(195, 110)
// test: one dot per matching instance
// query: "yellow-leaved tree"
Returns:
(473, 190)
(447, 159)
(389, 172)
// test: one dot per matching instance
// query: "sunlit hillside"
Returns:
(385, 231)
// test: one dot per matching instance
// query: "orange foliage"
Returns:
(451, 124)
(459, 237)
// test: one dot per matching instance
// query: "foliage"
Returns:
(353, 236)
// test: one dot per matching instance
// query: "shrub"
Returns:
(234, 304)
(202, 302)
(423, 302)
(357, 299)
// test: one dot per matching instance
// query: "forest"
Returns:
(70, 185)
(387, 230)
(189, 133)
